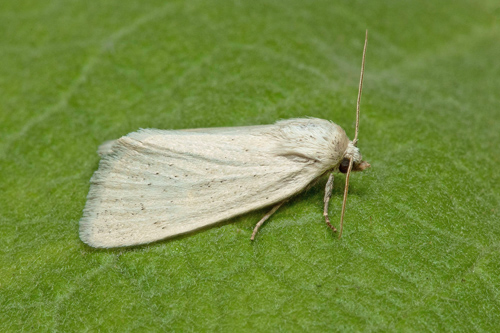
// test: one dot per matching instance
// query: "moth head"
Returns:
(344, 166)
(353, 153)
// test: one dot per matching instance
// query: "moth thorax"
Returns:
(353, 153)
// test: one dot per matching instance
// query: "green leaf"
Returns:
(420, 249)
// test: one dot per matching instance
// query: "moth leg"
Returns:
(326, 200)
(262, 220)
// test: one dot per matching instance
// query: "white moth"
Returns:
(155, 184)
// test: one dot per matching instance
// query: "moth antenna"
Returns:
(360, 89)
(355, 141)
(346, 189)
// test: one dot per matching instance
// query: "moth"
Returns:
(154, 184)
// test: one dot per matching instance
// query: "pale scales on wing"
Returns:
(155, 184)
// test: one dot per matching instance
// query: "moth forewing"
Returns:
(156, 184)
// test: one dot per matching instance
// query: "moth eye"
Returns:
(344, 165)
